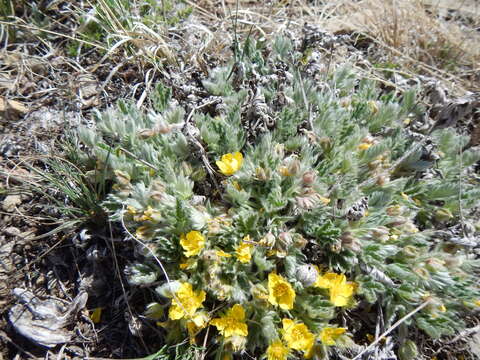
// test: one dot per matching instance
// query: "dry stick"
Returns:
(464, 333)
(138, 159)
(393, 327)
(398, 162)
(204, 350)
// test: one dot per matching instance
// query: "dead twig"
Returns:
(393, 327)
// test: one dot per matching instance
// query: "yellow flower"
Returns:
(236, 185)
(477, 302)
(280, 292)
(283, 170)
(324, 200)
(96, 315)
(230, 163)
(186, 302)
(144, 232)
(198, 322)
(340, 294)
(232, 323)
(340, 290)
(364, 146)
(297, 336)
(150, 214)
(329, 335)
(131, 210)
(222, 253)
(244, 251)
(328, 280)
(192, 243)
(277, 351)
(372, 106)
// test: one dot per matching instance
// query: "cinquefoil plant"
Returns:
(275, 220)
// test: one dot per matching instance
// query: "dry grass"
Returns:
(435, 37)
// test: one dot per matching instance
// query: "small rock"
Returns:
(44, 321)
(12, 231)
(10, 202)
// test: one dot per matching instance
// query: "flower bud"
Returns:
(382, 180)
(162, 127)
(283, 170)
(350, 242)
(368, 139)
(285, 239)
(410, 251)
(398, 221)
(293, 166)
(453, 262)
(122, 177)
(236, 342)
(146, 133)
(279, 150)
(381, 233)
(443, 215)
(268, 240)
(325, 143)
(307, 274)
(336, 248)
(259, 292)
(309, 177)
(299, 241)
(394, 210)
(410, 227)
(372, 106)
(157, 190)
(260, 174)
(435, 265)
(187, 168)
(423, 273)
(372, 165)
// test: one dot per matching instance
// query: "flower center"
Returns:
(280, 290)
(297, 334)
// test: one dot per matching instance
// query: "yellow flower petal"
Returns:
(329, 335)
(232, 323)
(364, 146)
(186, 302)
(324, 200)
(341, 294)
(329, 280)
(340, 290)
(192, 243)
(280, 292)
(96, 315)
(222, 253)
(297, 335)
(244, 252)
(277, 351)
(229, 164)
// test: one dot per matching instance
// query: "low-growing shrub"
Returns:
(279, 221)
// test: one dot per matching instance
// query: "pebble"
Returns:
(10, 202)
